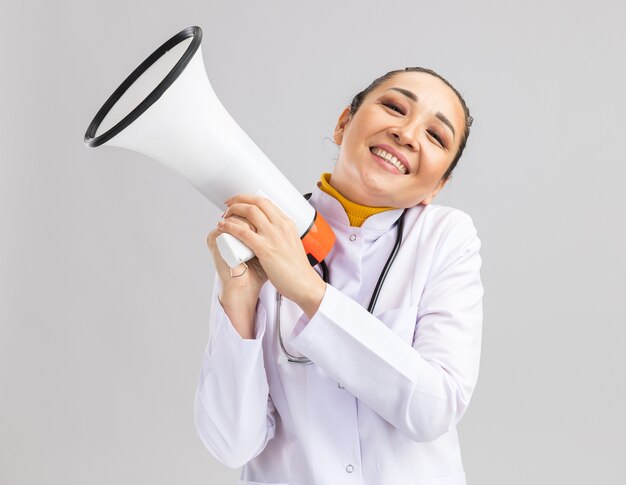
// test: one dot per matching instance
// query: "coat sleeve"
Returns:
(234, 415)
(422, 389)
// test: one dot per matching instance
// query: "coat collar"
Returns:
(332, 210)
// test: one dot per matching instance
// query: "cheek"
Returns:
(434, 164)
(349, 145)
(346, 158)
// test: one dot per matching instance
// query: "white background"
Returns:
(105, 277)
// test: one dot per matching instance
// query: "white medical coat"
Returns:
(380, 403)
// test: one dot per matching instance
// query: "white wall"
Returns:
(105, 277)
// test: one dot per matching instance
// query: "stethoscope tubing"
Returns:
(326, 277)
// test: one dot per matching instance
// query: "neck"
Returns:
(357, 213)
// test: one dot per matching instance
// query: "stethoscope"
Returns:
(325, 276)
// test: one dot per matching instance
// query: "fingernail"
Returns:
(220, 224)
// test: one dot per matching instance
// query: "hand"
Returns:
(273, 237)
(238, 295)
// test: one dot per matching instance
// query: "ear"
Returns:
(343, 120)
(440, 186)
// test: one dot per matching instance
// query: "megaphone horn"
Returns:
(167, 110)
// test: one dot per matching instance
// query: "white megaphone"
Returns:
(167, 109)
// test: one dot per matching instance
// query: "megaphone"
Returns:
(167, 110)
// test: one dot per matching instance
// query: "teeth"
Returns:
(390, 158)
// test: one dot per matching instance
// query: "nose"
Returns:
(404, 134)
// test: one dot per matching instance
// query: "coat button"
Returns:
(349, 468)
(352, 237)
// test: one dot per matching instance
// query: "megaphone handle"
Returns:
(233, 251)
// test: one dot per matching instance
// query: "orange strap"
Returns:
(318, 240)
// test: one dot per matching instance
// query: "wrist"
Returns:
(312, 295)
(241, 313)
(239, 307)
(235, 294)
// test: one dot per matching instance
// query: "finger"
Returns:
(271, 210)
(212, 236)
(241, 232)
(240, 220)
(251, 213)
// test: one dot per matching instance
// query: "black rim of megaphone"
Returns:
(90, 136)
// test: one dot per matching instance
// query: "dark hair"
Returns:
(358, 99)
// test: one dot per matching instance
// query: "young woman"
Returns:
(362, 378)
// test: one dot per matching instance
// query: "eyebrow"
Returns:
(413, 97)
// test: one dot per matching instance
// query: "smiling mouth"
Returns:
(389, 158)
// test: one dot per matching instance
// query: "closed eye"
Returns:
(394, 107)
(436, 136)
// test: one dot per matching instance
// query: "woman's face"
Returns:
(395, 150)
